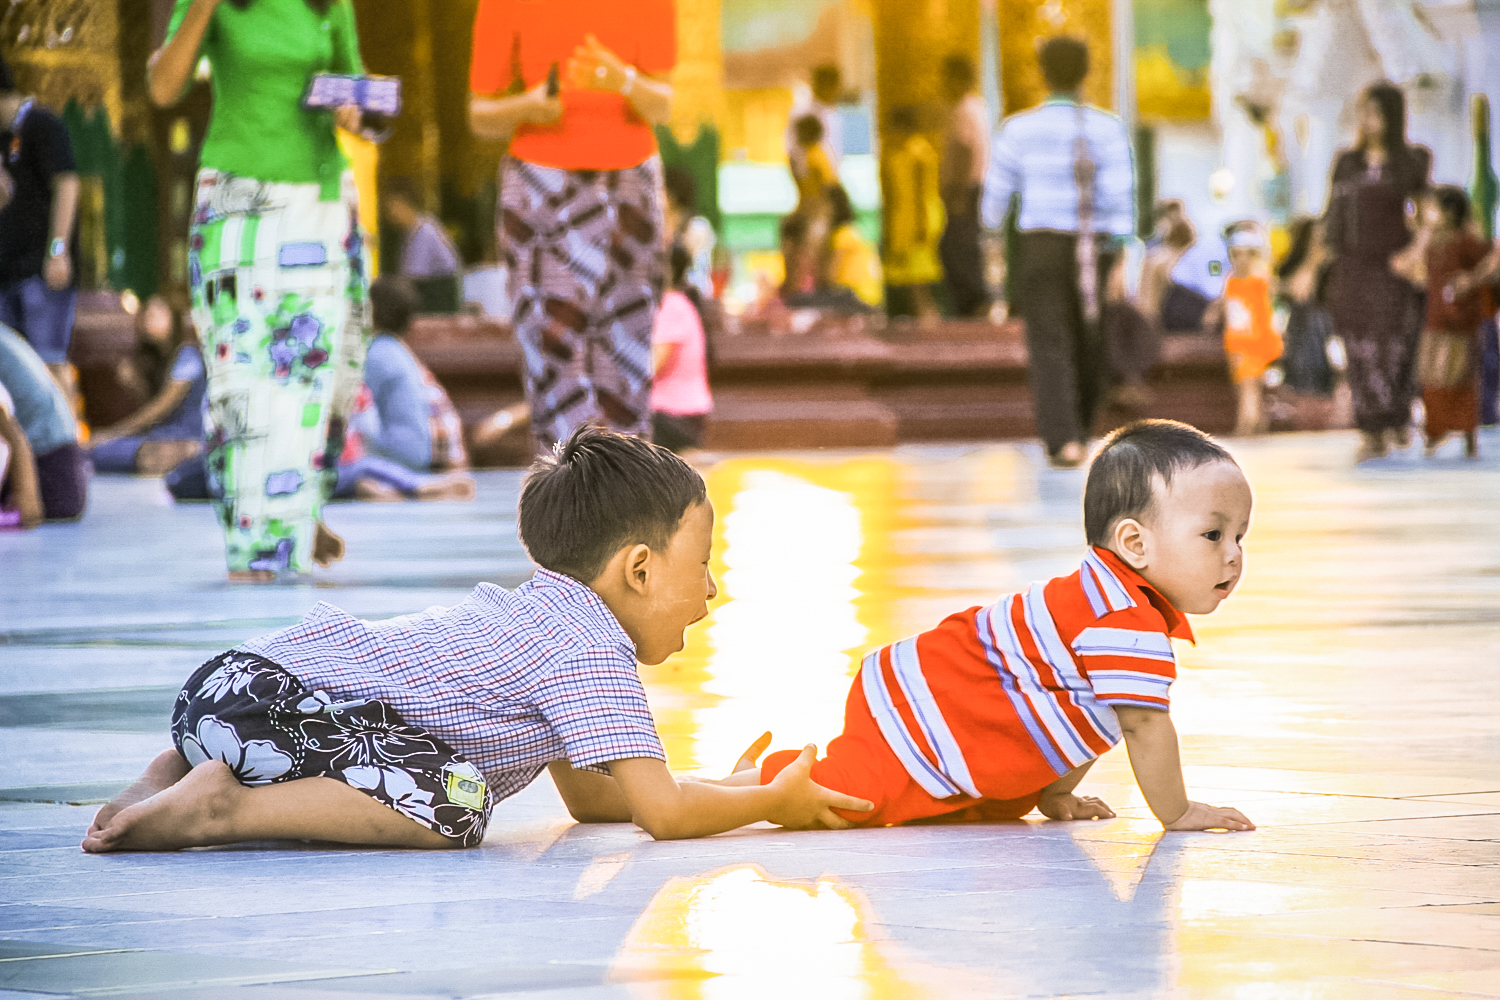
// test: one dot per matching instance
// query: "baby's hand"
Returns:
(1069, 806)
(1205, 817)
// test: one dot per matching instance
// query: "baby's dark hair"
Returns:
(598, 492)
(1122, 477)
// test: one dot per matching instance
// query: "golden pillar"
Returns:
(698, 79)
(1024, 24)
(912, 37)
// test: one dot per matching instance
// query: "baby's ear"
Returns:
(1128, 541)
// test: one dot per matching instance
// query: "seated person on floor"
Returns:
(680, 398)
(45, 419)
(428, 257)
(852, 264)
(22, 507)
(407, 732)
(167, 373)
(1001, 710)
(404, 425)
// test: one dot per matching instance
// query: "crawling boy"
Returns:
(406, 732)
(1003, 709)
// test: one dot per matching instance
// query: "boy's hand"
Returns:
(803, 804)
(1206, 817)
(1066, 805)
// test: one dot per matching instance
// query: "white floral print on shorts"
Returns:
(248, 712)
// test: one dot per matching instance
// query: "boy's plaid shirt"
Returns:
(510, 679)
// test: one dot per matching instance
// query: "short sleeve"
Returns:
(656, 31)
(596, 705)
(346, 57)
(494, 37)
(188, 366)
(52, 144)
(1128, 659)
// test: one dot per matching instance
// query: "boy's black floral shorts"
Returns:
(260, 720)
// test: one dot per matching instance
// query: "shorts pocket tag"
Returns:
(464, 786)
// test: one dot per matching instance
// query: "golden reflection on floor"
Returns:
(740, 934)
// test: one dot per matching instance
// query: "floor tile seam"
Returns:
(1402, 819)
(309, 976)
(1243, 932)
(1420, 987)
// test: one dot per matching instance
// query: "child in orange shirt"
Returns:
(1251, 342)
(1002, 709)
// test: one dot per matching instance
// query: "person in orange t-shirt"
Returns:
(576, 87)
(1250, 340)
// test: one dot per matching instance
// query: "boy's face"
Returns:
(1190, 542)
(680, 587)
(1243, 260)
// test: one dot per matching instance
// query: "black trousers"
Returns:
(1068, 361)
(963, 260)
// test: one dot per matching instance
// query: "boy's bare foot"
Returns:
(328, 548)
(1070, 806)
(162, 773)
(453, 487)
(252, 576)
(192, 812)
(371, 491)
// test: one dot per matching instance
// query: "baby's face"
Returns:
(1193, 536)
(681, 587)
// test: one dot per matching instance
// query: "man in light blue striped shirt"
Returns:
(1071, 166)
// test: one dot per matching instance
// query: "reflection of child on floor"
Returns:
(1251, 342)
(1003, 709)
(1456, 264)
(406, 732)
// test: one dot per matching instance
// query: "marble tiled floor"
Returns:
(1344, 698)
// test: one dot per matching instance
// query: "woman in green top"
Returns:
(276, 264)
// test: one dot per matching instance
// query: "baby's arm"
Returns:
(1059, 802)
(642, 790)
(1151, 740)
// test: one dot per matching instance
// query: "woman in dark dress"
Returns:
(1373, 309)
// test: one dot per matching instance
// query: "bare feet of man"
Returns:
(328, 548)
(194, 811)
(162, 773)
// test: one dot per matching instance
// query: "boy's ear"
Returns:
(638, 567)
(1129, 542)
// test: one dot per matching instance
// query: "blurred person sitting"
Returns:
(428, 256)
(680, 397)
(914, 217)
(688, 229)
(20, 496)
(966, 153)
(1071, 165)
(167, 372)
(852, 264)
(1251, 342)
(820, 102)
(46, 422)
(1306, 325)
(1454, 264)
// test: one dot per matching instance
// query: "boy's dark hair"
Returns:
(681, 187)
(1064, 62)
(1123, 475)
(1453, 201)
(393, 302)
(808, 130)
(597, 493)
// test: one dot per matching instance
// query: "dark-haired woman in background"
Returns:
(1375, 310)
(167, 372)
(276, 261)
